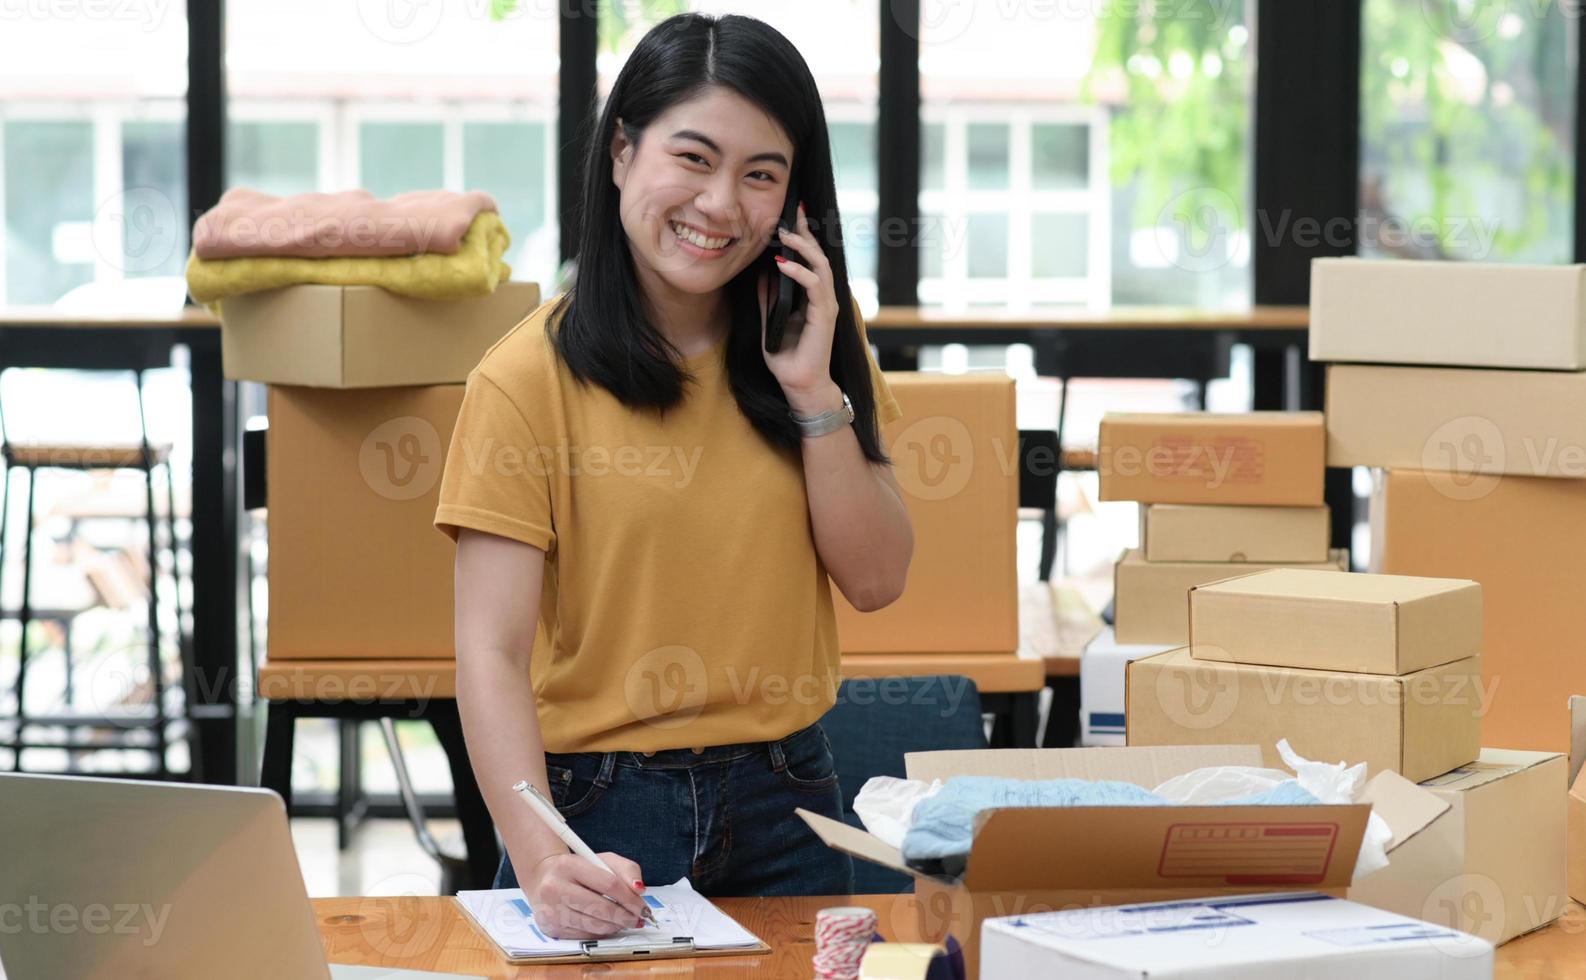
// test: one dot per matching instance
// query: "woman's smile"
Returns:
(696, 243)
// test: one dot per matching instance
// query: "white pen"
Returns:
(558, 824)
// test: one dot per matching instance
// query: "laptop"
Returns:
(118, 878)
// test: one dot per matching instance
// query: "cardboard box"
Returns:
(1089, 856)
(1101, 672)
(364, 336)
(1577, 800)
(1375, 624)
(1151, 598)
(1418, 725)
(1524, 540)
(356, 569)
(1464, 421)
(1204, 458)
(1466, 313)
(1255, 937)
(1469, 868)
(1201, 532)
(956, 450)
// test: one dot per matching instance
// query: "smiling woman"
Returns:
(670, 611)
(708, 134)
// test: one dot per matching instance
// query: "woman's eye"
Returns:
(692, 157)
(765, 174)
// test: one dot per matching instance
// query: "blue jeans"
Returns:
(722, 817)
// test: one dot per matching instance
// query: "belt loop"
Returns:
(778, 758)
(608, 763)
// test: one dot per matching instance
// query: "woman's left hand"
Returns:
(803, 365)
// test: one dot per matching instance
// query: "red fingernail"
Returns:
(780, 259)
(638, 884)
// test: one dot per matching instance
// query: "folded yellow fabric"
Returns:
(475, 270)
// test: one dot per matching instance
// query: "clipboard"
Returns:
(680, 947)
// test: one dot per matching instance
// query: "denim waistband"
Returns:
(705, 755)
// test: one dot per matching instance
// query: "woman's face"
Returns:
(702, 191)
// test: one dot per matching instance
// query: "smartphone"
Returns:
(789, 294)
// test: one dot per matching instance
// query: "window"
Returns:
(840, 41)
(1467, 131)
(1088, 155)
(455, 94)
(92, 165)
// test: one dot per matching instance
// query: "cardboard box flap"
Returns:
(1407, 808)
(1577, 736)
(1131, 847)
(1143, 766)
(852, 840)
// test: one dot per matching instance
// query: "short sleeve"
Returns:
(495, 478)
(887, 408)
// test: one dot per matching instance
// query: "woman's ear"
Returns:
(621, 155)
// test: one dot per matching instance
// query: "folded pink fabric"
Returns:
(345, 224)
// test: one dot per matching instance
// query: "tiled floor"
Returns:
(384, 859)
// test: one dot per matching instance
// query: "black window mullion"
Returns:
(1307, 175)
(206, 107)
(898, 155)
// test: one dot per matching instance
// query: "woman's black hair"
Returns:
(603, 332)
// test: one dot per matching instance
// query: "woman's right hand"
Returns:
(568, 895)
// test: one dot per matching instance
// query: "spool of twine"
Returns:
(841, 937)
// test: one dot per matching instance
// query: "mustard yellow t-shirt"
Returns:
(684, 602)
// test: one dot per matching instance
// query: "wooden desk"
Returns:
(892, 318)
(51, 338)
(429, 933)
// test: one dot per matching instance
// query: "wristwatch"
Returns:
(810, 426)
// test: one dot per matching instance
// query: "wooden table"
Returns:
(1077, 342)
(51, 338)
(430, 933)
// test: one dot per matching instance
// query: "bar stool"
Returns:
(144, 457)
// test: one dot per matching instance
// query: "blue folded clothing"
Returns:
(943, 826)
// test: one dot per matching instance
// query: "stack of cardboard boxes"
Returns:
(1385, 670)
(1467, 383)
(1219, 495)
(365, 386)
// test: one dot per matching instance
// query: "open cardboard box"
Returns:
(1467, 868)
(1033, 859)
(1576, 850)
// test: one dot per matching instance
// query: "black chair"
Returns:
(876, 721)
(145, 457)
